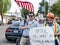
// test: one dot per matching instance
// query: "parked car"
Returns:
(13, 32)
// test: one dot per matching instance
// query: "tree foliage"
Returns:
(55, 8)
(41, 10)
(25, 13)
(4, 7)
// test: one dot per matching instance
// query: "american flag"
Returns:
(24, 4)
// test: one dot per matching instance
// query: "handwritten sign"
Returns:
(42, 36)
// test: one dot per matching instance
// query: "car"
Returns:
(13, 32)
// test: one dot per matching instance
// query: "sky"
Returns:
(15, 7)
(35, 3)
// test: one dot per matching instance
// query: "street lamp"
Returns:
(49, 6)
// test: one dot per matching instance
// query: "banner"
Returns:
(42, 36)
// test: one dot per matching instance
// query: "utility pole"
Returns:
(44, 8)
(49, 6)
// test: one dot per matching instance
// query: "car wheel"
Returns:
(8, 39)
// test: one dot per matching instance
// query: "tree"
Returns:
(55, 8)
(43, 8)
(4, 7)
(25, 13)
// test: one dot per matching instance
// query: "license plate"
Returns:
(15, 31)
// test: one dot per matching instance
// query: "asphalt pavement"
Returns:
(3, 41)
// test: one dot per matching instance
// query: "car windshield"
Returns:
(16, 24)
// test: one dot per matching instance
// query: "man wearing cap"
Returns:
(30, 23)
(50, 22)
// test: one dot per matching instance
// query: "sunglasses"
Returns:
(30, 15)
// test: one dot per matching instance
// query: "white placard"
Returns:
(41, 36)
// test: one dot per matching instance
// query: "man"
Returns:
(50, 22)
(41, 22)
(30, 23)
(58, 21)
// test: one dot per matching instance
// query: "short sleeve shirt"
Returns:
(26, 31)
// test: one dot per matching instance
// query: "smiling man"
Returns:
(26, 26)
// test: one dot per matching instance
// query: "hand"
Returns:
(28, 39)
(55, 34)
(28, 26)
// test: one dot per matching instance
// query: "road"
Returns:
(3, 41)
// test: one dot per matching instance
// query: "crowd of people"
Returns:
(28, 24)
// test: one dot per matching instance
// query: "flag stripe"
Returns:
(27, 5)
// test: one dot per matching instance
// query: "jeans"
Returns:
(56, 42)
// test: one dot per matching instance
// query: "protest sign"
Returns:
(42, 36)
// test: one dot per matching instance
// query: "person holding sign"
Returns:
(30, 23)
(58, 21)
(41, 22)
(50, 22)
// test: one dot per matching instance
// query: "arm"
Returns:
(24, 27)
(58, 33)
